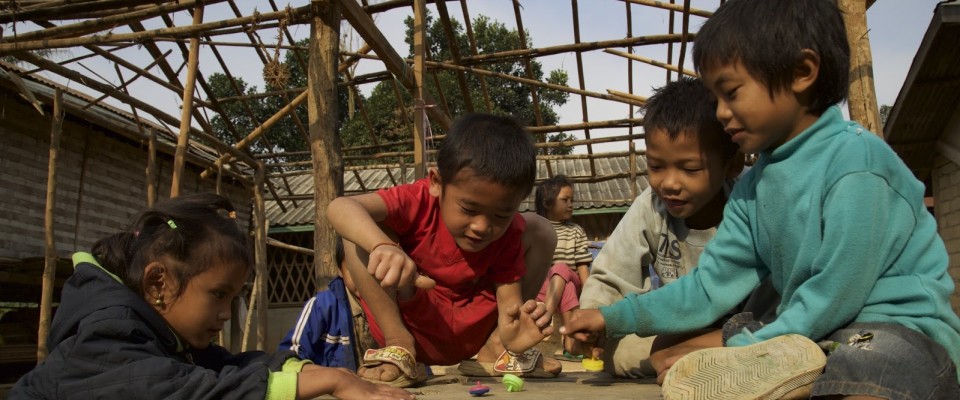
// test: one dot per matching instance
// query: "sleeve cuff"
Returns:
(282, 385)
(294, 365)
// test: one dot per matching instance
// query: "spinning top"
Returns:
(592, 364)
(512, 382)
(479, 390)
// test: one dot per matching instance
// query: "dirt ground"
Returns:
(573, 383)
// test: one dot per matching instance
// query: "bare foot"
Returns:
(382, 373)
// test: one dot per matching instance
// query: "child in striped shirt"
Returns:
(571, 259)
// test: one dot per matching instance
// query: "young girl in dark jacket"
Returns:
(138, 315)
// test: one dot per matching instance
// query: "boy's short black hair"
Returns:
(495, 148)
(685, 106)
(766, 37)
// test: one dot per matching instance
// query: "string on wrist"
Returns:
(397, 245)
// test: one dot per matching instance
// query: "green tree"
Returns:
(507, 97)
(884, 115)
(285, 135)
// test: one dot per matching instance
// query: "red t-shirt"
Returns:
(454, 319)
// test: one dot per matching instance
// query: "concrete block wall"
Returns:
(946, 191)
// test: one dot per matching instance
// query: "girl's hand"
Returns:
(352, 387)
(314, 381)
(393, 268)
(585, 325)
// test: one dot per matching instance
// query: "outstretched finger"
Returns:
(423, 282)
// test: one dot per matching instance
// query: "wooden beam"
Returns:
(671, 7)
(653, 62)
(419, 105)
(50, 243)
(99, 24)
(514, 55)
(367, 29)
(322, 121)
(186, 110)
(180, 31)
(862, 100)
(260, 253)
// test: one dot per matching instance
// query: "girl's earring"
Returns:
(159, 302)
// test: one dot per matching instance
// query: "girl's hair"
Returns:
(547, 192)
(192, 232)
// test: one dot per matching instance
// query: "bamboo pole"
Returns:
(455, 53)
(582, 81)
(133, 101)
(633, 170)
(514, 55)
(183, 139)
(367, 29)
(278, 244)
(151, 167)
(419, 105)
(254, 298)
(260, 247)
(43, 11)
(547, 85)
(473, 51)
(527, 65)
(324, 142)
(653, 62)
(99, 24)
(173, 78)
(685, 30)
(207, 28)
(862, 100)
(276, 118)
(671, 7)
(50, 244)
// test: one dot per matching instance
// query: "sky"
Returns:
(896, 28)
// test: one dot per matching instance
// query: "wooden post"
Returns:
(151, 167)
(184, 138)
(419, 106)
(50, 245)
(324, 142)
(260, 255)
(633, 170)
(862, 101)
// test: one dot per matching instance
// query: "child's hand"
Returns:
(584, 325)
(352, 387)
(519, 330)
(393, 268)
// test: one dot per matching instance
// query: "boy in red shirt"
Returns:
(437, 263)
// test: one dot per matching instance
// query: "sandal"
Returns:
(411, 372)
(520, 364)
(567, 356)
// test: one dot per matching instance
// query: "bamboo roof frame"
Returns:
(109, 29)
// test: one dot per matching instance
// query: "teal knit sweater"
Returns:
(838, 222)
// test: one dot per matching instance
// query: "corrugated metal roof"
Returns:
(930, 94)
(88, 108)
(606, 194)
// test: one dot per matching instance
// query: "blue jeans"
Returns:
(886, 360)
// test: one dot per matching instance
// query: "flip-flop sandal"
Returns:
(411, 372)
(567, 356)
(520, 364)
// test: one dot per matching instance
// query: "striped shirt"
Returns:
(571, 244)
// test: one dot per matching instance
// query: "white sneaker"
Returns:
(765, 370)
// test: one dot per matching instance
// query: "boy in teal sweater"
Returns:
(829, 212)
